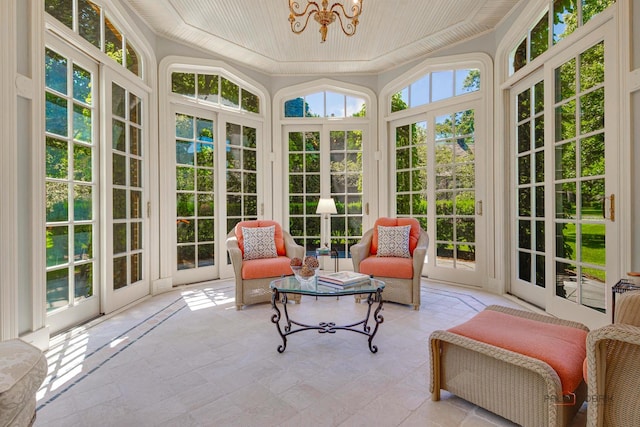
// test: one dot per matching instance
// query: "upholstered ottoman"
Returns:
(23, 367)
(523, 366)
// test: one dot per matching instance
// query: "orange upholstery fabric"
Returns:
(401, 268)
(279, 238)
(561, 347)
(266, 267)
(414, 234)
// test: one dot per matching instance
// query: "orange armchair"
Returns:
(401, 274)
(254, 275)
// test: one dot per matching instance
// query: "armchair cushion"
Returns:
(414, 234)
(393, 241)
(259, 242)
(266, 267)
(400, 268)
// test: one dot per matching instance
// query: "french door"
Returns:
(194, 168)
(96, 178)
(529, 259)
(439, 181)
(563, 157)
(126, 202)
(326, 161)
(72, 186)
(215, 162)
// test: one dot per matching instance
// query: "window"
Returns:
(214, 89)
(90, 22)
(325, 104)
(436, 86)
(565, 17)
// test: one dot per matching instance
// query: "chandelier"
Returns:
(325, 16)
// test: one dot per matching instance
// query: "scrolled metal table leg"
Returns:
(378, 319)
(275, 296)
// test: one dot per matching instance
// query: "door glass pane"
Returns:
(242, 173)
(304, 170)
(195, 221)
(580, 183)
(127, 187)
(530, 185)
(71, 193)
(455, 190)
(411, 172)
(345, 153)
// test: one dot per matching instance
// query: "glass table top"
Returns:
(290, 284)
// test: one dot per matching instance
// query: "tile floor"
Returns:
(188, 358)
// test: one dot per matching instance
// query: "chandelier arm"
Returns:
(293, 5)
(297, 27)
(350, 28)
(356, 9)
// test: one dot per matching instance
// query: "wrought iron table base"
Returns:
(326, 327)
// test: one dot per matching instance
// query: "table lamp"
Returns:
(326, 207)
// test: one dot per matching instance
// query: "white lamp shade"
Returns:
(326, 206)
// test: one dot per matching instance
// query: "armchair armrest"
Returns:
(361, 250)
(612, 354)
(292, 248)
(419, 253)
(235, 254)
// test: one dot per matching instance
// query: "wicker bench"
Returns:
(520, 388)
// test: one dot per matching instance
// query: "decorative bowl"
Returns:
(306, 282)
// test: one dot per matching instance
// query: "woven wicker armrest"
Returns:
(613, 345)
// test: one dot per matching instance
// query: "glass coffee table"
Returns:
(284, 286)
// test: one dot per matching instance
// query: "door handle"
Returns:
(612, 207)
(479, 208)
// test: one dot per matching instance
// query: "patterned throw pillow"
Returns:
(394, 241)
(259, 242)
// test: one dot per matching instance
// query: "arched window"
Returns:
(327, 152)
(566, 16)
(215, 89)
(436, 86)
(93, 24)
(213, 149)
(325, 104)
(439, 124)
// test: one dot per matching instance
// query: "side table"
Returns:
(624, 285)
(331, 253)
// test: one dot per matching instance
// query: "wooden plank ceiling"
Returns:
(256, 33)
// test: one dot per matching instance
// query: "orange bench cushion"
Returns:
(266, 267)
(414, 234)
(400, 268)
(561, 347)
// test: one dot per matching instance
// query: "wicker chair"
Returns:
(251, 289)
(613, 375)
(399, 288)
